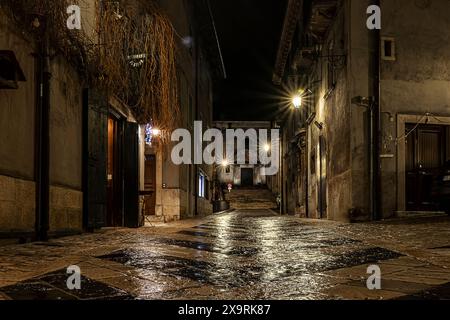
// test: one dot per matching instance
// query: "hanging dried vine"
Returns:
(137, 59)
(35, 16)
(131, 55)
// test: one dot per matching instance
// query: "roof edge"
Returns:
(293, 13)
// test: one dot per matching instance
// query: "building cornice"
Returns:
(293, 14)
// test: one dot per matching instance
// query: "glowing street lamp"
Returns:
(225, 163)
(297, 101)
(156, 132)
(266, 147)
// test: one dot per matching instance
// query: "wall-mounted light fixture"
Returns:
(297, 101)
(225, 163)
(362, 101)
(319, 125)
(156, 132)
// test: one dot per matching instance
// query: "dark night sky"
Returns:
(249, 33)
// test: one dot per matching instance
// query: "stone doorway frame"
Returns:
(402, 120)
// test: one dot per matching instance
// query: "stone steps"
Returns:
(254, 198)
(411, 214)
(149, 220)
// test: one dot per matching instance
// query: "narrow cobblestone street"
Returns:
(246, 254)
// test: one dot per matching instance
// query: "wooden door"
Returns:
(132, 215)
(425, 154)
(150, 185)
(322, 187)
(247, 177)
(95, 123)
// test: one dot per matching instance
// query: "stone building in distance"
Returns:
(237, 174)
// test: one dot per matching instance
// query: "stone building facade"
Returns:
(330, 56)
(246, 175)
(87, 130)
(183, 191)
(18, 123)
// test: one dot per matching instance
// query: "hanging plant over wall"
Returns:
(39, 18)
(137, 59)
(131, 55)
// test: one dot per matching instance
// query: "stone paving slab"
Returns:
(404, 287)
(348, 292)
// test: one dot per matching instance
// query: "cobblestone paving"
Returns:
(251, 254)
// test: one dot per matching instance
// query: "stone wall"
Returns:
(334, 111)
(65, 126)
(416, 82)
(17, 108)
(204, 207)
(66, 210)
(17, 142)
(176, 187)
(17, 205)
(173, 205)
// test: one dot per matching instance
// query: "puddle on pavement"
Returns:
(262, 251)
(197, 270)
(231, 273)
(217, 235)
(210, 247)
(255, 238)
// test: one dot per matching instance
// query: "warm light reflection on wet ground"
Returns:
(240, 255)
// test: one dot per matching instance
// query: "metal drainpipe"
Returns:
(280, 171)
(43, 142)
(283, 178)
(375, 114)
(307, 171)
(197, 58)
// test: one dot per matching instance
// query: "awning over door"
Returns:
(10, 71)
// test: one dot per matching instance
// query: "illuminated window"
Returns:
(201, 185)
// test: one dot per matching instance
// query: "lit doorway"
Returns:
(425, 156)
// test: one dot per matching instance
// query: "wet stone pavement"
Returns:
(252, 254)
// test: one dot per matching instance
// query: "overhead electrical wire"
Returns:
(427, 115)
(217, 39)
